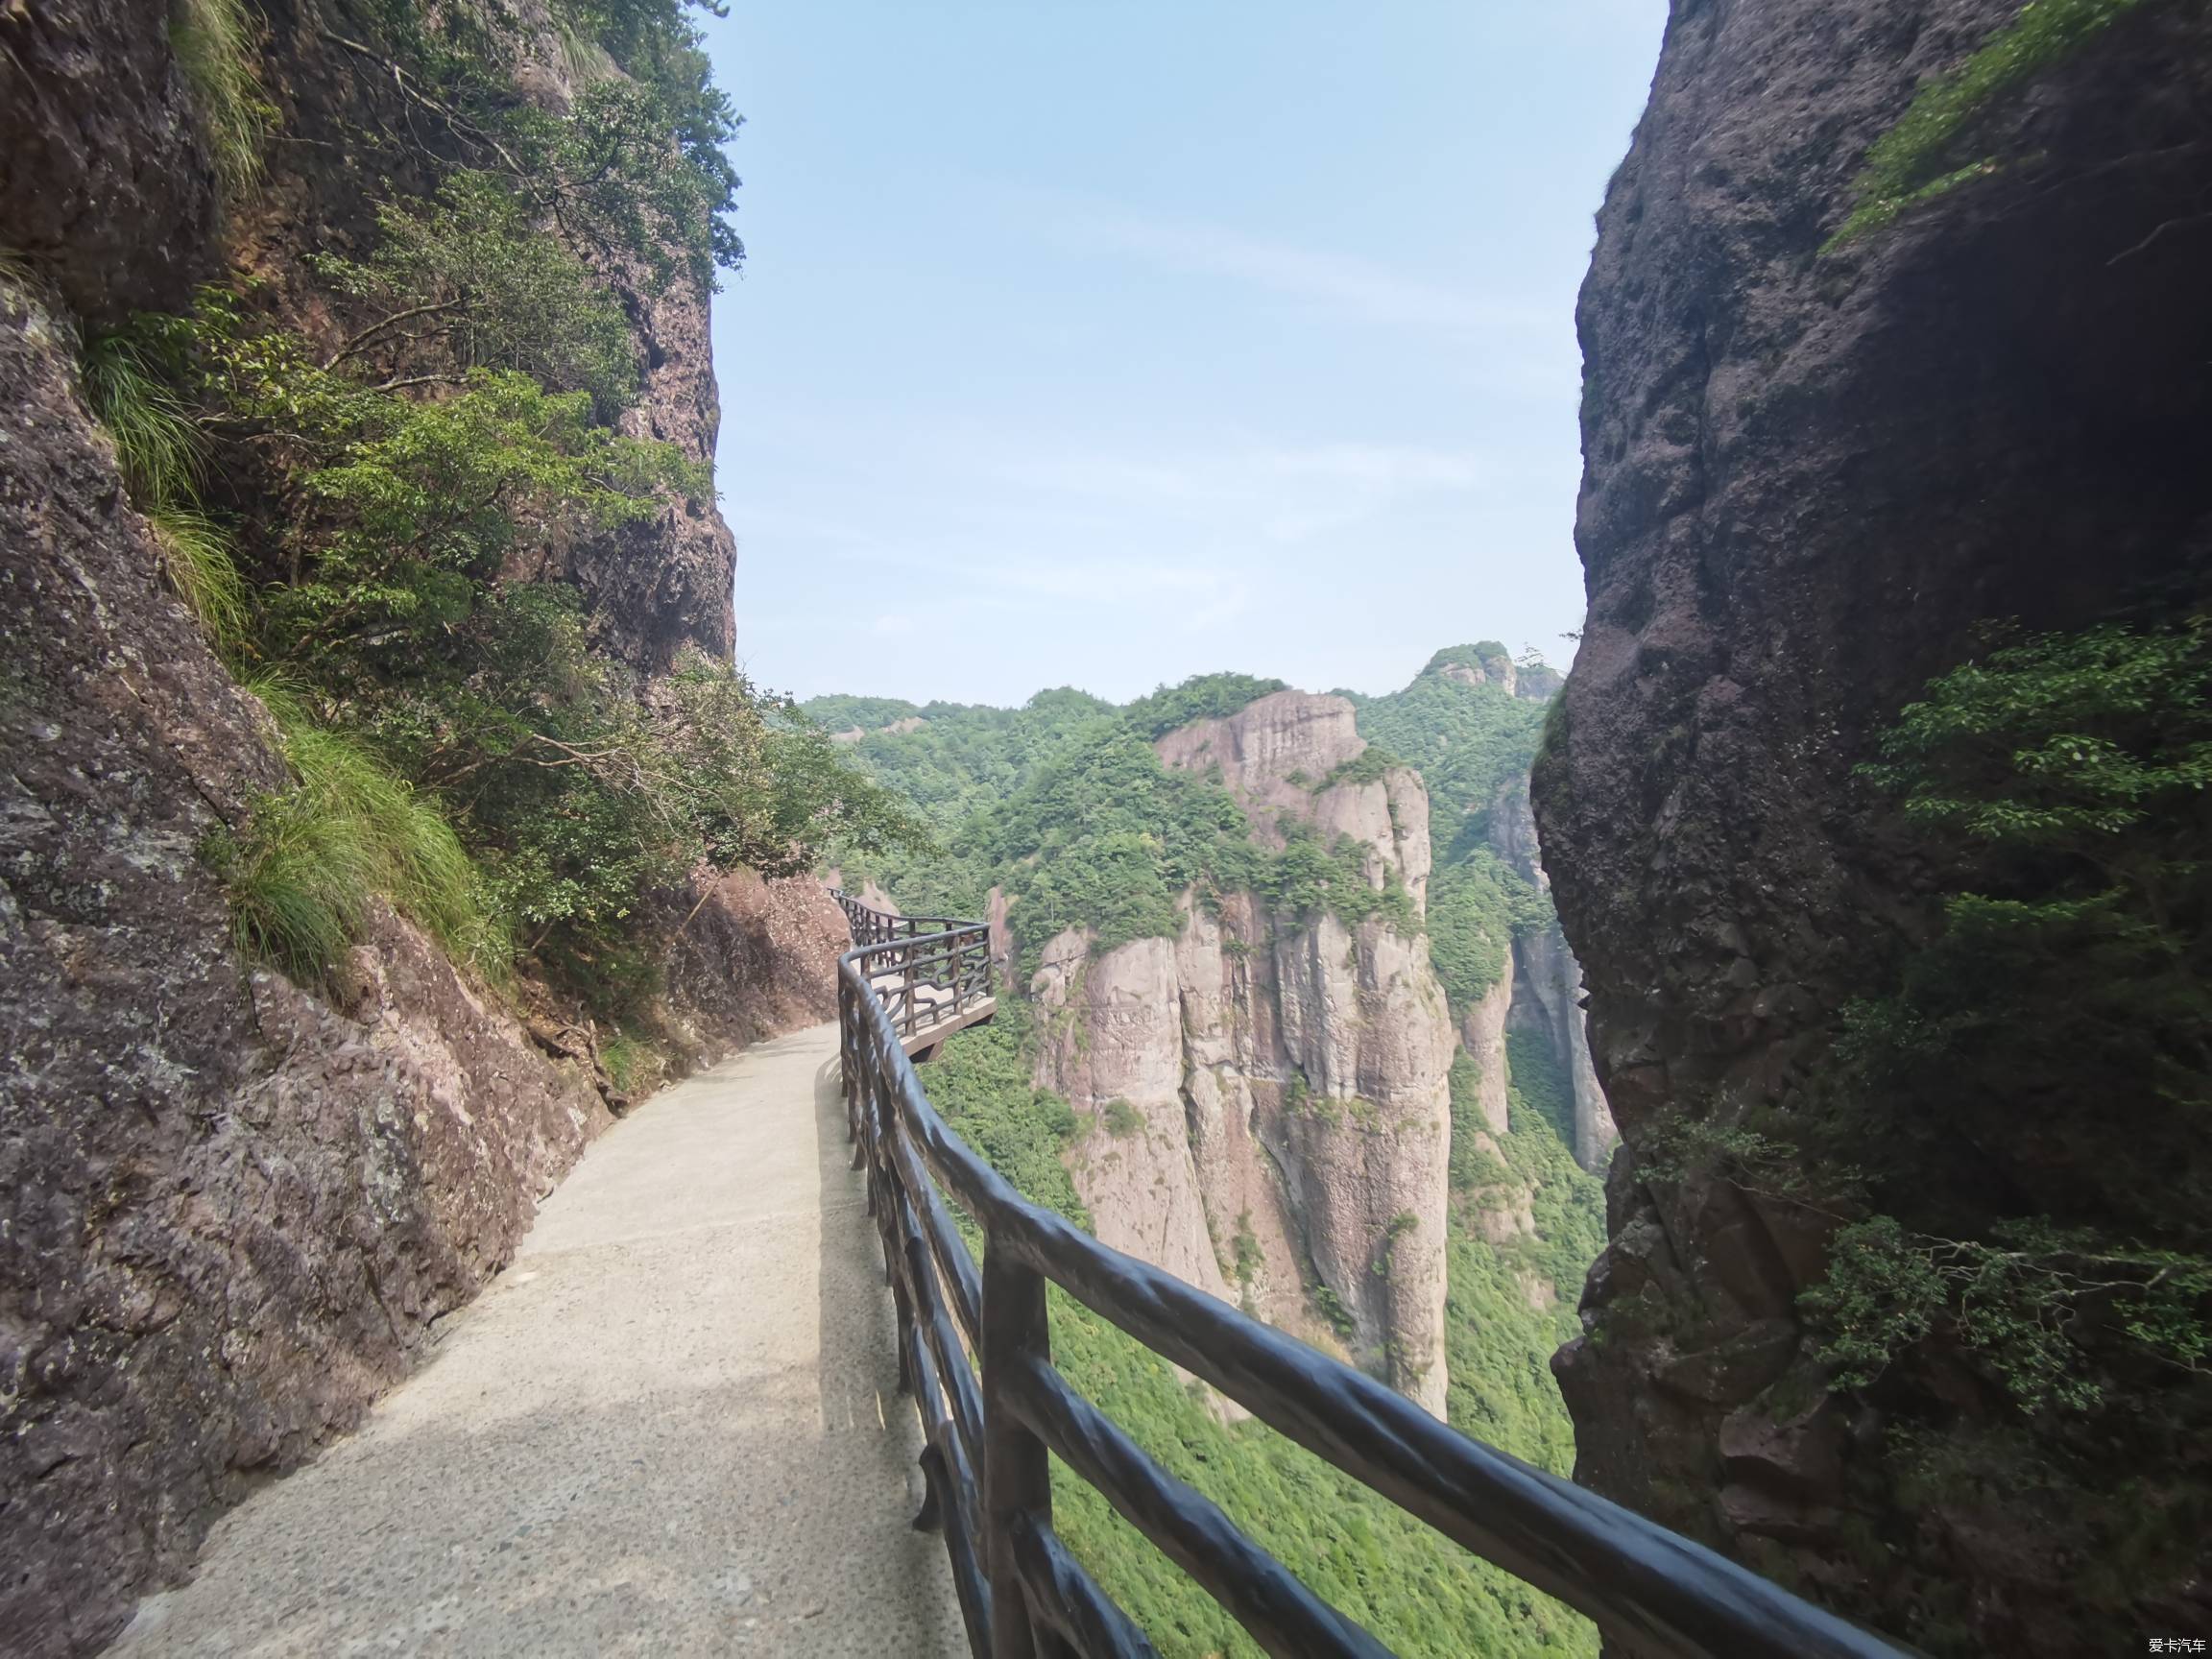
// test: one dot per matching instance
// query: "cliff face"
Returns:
(1548, 998)
(1808, 476)
(230, 1208)
(1265, 1100)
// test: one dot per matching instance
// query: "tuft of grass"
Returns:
(629, 1061)
(215, 47)
(1901, 170)
(156, 442)
(302, 873)
(196, 557)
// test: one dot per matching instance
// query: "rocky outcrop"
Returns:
(1549, 1000)
(105, 189)
(232, 1207)
(1264, 1095)
(1808, 476)
(753, 958)
(1280, 755)
(1113, 1049)
(1491, 665)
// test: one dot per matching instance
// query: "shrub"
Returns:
(1201, 697)
(465, 281)
(1905, 165)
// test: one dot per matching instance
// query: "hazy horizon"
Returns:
(1104, 348)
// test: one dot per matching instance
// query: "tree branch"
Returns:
(355, 342)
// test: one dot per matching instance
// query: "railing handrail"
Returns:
(1023, 1595)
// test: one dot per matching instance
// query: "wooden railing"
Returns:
(924, 970)
(975, 1351)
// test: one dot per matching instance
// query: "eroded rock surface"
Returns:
(1264, 1097)
(231, 1206)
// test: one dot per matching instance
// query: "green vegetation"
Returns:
(2016, 1304)
(1086, 828)
(1477, 905)
(462, 282)
(1066, 807)
(215, 47)
(157, 445)
(197, 558)
(1122, 1119)
(1471, 744)
(1371, 765)
(632, 1063)
(1202, 697)
(845, 713)
(1508, 1306)
(981, 1084)
(2063, 778)
(409, 482)
(1918, 159)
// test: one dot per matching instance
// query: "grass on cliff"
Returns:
(160, 453)
(197, 559)
(157, 445)
(214, 44)
(1901, 170)
(303, 873)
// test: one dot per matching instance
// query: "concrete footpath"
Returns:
(669, 1428)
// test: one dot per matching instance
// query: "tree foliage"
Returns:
(464, 281)
(441, 699)
(1201, 697)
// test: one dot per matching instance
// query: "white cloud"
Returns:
(1342, 282)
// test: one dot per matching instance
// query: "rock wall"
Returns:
(1265, 1100)
(232, 1207)
(1808, 476)
(1549, 1000)
(229, 1209)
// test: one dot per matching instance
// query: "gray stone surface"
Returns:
(669, 1426)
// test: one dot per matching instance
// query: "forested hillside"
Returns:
(1161, 872)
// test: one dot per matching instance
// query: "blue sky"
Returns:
(1106, 342)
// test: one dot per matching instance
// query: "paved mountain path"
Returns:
(668, 1428)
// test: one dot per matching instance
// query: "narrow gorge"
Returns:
(1761, 1072)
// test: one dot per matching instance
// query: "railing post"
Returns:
(1016, 1470)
